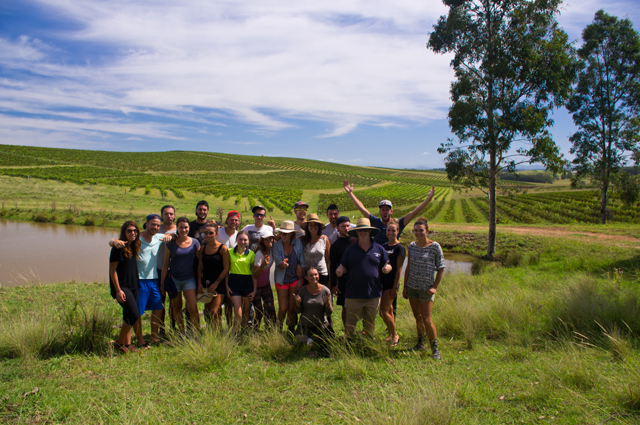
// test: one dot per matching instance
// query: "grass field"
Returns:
(549, 334)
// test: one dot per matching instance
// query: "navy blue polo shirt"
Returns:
(382, 238)
(363, 270)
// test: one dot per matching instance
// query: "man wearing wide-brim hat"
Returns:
(386, 209)
(362, 262)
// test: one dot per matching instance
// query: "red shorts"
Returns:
(287, 285)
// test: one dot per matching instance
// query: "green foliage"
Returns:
(513, 65)
(606, 104)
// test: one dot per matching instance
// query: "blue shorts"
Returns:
(183, 285)
(149, 295)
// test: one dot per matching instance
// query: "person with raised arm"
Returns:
(390, 282)
(386, 209)
(241, 286)
(259, 228)
(124, 282)
(289, 260)
(263, 301)
(362, 262)
(424, 261)
(179, 257)
(213, 266)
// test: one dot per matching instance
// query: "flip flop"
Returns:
(132, 348)
(395, 344)
(144, 346)
(120, 348)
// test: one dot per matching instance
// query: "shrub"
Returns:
(90, 221)
(69, 219)
(30, 336)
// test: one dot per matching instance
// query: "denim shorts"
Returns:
(183, 285)
(422, 295)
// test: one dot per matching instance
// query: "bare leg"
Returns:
(426, 308)
(237, 311)
(176, 311)
(293, 316)
(155, 324)
(125, 335)
(386, 312)
(283, 305)
(192, 307)
(417, 314)
(246, 307)
(137, 328)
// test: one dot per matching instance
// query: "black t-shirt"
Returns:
(127, 271)
(196, 231)
(392, 252)
(337, 250)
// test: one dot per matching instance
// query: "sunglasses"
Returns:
(259, 215)
(300, 209)
(131, 231)
(209, 233)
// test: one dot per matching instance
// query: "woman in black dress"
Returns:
(213, 268)
(124, 282)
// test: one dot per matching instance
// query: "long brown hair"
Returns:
(131, 250)
(306, 239)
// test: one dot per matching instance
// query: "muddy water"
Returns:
(45, 253)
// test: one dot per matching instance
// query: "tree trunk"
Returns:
(603, 201)
(491, 243)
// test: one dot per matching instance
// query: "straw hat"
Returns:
(312, 218)
(286, 227)
(363, 224)
(206, 296)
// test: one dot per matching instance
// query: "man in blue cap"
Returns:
(386, 209)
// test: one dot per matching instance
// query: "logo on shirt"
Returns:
(377, 254)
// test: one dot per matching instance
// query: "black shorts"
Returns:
(386, 286)
(240, 284)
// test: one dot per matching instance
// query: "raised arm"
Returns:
(349, 189)
(416, 211)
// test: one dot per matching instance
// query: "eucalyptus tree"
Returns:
(606, 104)
(513, 65)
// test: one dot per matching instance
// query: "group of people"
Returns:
(311, 263)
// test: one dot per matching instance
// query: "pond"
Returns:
(46, 253)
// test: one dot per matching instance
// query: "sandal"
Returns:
(144, 346)
(132, 348)
(394, 341)
(122, 349)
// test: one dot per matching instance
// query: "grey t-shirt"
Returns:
(314, 311)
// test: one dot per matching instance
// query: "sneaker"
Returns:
(421, 345)
(436, 354)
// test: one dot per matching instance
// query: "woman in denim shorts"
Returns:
(179, 257)
(424, 260)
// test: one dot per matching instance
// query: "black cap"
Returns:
(301, 204)
(342, 219)
(257, 207)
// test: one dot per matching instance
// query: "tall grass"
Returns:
(31, 335)
(211, 349)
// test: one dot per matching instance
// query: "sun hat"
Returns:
(385, 202)
(266, 232)
(300, 204)
(206, 297)
(363, 224)
(286, 227)
(312, 218)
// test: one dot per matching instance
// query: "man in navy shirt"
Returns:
(386, 209)
(362, 263)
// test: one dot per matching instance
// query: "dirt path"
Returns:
(551, 232)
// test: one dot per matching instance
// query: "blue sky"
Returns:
(348, 82)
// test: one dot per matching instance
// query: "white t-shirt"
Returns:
(332, 233)
(255, 233)
(299, 230)
(224, 238)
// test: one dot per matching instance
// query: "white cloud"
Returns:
(425, 153)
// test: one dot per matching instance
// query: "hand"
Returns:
(120, 296)
(283, 265)
(166, 238)
(386, 269)
(327, 300)
(335, 290)
(117, 243)
(271, 222)
(324, 237)
(393, 292)
(251, 295)
(431, 291)
(339, 272)
(212, 288)
(431, 193)
(405, 293)
(298, 299)
(266, 261)
(347, 187)
(199, 290)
